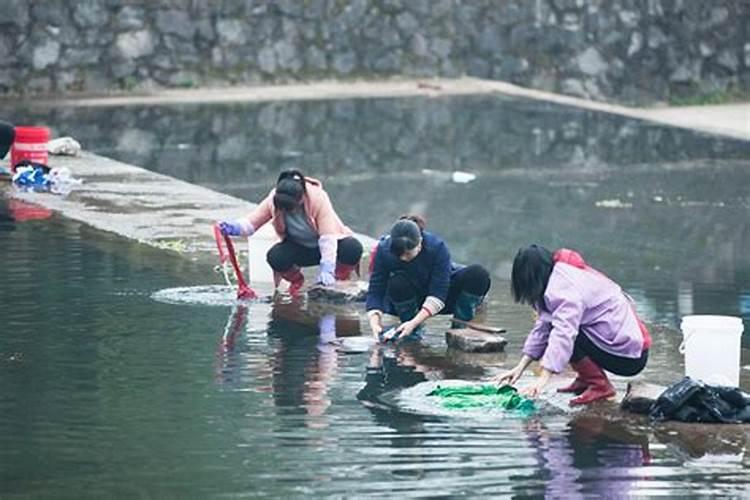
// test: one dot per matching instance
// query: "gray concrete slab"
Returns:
(732, 120)
(153, 209)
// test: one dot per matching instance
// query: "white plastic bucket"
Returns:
(711, 345)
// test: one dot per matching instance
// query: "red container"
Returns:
(30, 144)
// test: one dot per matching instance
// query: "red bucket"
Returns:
(30, 144)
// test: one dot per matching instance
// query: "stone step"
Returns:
(468, 340)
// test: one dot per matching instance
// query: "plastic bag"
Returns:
(37, 177)
(692, 401)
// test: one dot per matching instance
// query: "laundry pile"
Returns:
(484, 396)
(37, 177)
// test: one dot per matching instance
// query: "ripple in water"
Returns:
(415, 400)
(355, 345)
(208, 295)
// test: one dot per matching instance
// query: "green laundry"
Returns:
(484, 396)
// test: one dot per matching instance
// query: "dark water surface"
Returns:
(106, 392)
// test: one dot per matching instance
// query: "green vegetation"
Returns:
(178, 246)
(186, 83)
(128, 83)
(732, 94)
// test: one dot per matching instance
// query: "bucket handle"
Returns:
(684, 342)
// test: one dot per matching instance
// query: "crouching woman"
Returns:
(583, 318)
(310, 231)
(414, 278)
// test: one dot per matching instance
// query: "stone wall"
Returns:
(625, 50)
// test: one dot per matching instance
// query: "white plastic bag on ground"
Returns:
(66, 146)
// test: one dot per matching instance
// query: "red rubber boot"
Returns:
(295, 278)
(578, 385)
(599, 386)
(344, 271)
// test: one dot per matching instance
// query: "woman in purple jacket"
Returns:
(583, 318)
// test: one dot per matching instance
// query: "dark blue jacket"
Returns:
(430, 272)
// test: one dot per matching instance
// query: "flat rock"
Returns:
(341, 292)
(468, 340)
(640, 395)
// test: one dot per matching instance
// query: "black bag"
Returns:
(691, 401)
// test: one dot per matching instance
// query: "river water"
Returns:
(108, 392)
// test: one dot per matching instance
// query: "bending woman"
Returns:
(310, 231)
(413, 278)
(583, 318)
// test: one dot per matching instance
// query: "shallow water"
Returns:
(106, 391)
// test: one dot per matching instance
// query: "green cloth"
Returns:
(484, 396)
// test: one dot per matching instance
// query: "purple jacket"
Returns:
(578, 299)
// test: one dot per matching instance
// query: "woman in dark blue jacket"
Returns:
(413, 278)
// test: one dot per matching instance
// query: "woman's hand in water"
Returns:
(375, 326)
(536, 388)
(404, 329)
(509, 377)
(531, 391)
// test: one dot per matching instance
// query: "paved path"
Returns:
(732, 120)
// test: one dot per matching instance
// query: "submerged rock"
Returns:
(473, 341)
(341, 292)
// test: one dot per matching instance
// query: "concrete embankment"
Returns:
(153, 209)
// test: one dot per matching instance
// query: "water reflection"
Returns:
(693, 441)
(98, 378)
(569, 460)
(478, 133)
(663, 208)
(304, 361)
(390, 369)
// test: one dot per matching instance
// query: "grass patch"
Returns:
(708, 98)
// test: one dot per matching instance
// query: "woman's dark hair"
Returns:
(7, 134)
(290, 188)
(406, 234)
(419, 220)
(531, 271)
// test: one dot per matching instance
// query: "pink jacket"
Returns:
(318, 209)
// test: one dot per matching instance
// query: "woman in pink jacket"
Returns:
(310, 231)
(583, 318)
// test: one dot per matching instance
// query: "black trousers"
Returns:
(473, 279)
(287, 254)
(619, 365)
